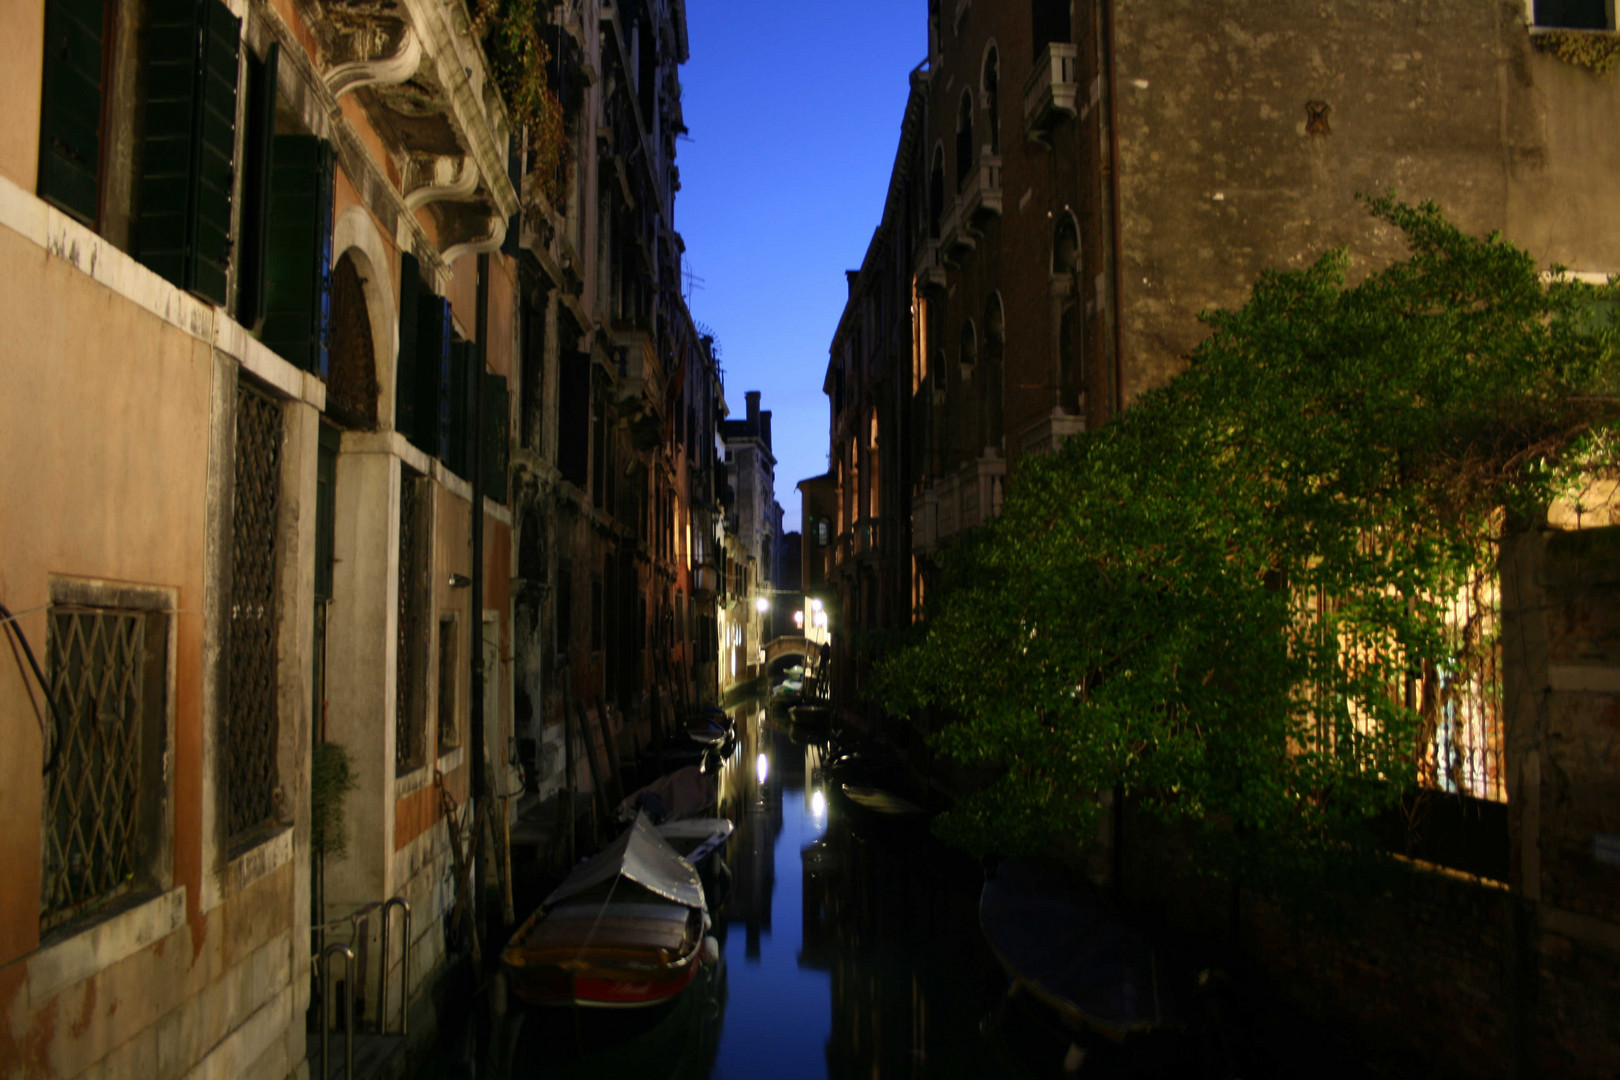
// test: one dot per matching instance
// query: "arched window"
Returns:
(991, 92)
(995, 327)
(1050, 20)
(936, 192)
(964, 138)
(970, 348)
(351, 391)
(1065, 245)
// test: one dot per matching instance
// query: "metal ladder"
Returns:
(363, 916)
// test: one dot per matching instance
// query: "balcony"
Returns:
(977, 202)
(1052, 90)
(640, 374)
(1050, 432)
(930, 276)
(952, 504)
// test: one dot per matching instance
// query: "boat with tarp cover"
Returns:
(625, 929)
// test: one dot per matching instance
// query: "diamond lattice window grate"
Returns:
(252, 735)
(92, 796)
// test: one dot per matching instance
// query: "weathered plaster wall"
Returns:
(22, 70)
(1221, 176)
(105, 432)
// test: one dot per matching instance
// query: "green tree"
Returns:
(1134, 619)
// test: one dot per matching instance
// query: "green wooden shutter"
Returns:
(409, 363)
(70, 109)
(494, 436)
(457, 427)
(298, 252)
(424, 395)
(257, 160)
(188, 156)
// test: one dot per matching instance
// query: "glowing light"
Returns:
(815, 605)
(762, 767)
(762, 605)
(798, 619)
(821, 618)
(818, 804)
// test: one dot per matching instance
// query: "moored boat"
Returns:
(625, 929)
(1075, 955)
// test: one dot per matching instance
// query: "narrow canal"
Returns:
(849, 947)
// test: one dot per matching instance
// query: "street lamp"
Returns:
(815, 605)
(798, 619)
(761, 604)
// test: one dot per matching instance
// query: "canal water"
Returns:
(849, 947)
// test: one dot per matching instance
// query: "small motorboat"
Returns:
(625, 929)
(696, 839)
(688, 792)
(811, 717)
(1074, 954)
(788, 690)
(707, 732)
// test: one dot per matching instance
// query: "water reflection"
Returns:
(848, 946)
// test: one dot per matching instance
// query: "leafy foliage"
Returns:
(1597, 51)
(1133, 620)
(518, 53)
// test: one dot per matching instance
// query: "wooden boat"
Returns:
(812, 718)
(685, 793)
(696, 839)
(1073, 954)
(625, 929)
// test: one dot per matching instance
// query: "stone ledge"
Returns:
(92, 950)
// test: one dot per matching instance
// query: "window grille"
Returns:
(252, 735)
(449, 734)
(106, 673)
(411, 660)
(1459, 701)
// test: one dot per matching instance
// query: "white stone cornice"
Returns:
(386, 71)
(461, 186)
(480, 117)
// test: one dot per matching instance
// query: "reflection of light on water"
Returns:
(762, 767)
(818, 804)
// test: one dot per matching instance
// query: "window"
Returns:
(252, 732)
(991, 91)
(107, 653)
(351, 391)
(565, 609)
(298, 252)
(821, 533)
(964, 138)
(1574, 14)
(410, 661)
(573, 417)
(596, 613)
(1050, 19)
(449, 646)
(72, 113)
(936, 193)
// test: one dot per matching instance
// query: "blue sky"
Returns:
(794, 111)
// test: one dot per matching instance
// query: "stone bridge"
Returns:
(787, 645)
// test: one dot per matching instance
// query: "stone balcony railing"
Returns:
(978, 201)
(930, 275)
(1050, 432)
(1052, 90)
(963, 500)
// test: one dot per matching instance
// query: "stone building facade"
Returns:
(1073, 183)
(330, 423)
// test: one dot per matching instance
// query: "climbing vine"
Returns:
(1205, 605)
(1596, 51)
(511, 31)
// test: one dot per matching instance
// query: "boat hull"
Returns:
(553, 985)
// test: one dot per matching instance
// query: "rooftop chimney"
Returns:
(852, 276)
(753, 405)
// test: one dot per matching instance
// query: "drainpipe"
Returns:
(480, 773)
(1118, 239)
